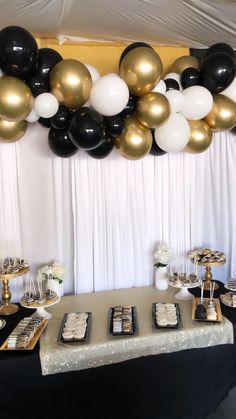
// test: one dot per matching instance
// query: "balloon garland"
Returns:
(137, 111)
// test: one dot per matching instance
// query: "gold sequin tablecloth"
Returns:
(103, 349)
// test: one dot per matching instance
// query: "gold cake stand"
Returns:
(8, 308)
(208, 274)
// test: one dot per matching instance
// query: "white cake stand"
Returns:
(40, 308)
(183, 293)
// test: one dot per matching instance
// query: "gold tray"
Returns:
(32, 342)
(196, 300)
(211, 264)
(13, 275)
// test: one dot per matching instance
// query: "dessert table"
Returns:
(104, 349)
(187, 384)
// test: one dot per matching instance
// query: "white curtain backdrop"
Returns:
(103, 218)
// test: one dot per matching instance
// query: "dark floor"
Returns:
(227, 408)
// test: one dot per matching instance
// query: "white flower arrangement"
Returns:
(52, 271)
(163, 255)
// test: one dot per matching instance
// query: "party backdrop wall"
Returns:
(103, 218)
(105, 57)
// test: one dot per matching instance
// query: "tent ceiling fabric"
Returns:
(190, 23)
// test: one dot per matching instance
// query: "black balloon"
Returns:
(104, 149)
(45, 122)
(130, 107)
(114, 125)
(37, 86)
(155, 149)
(60, 143)
(131, 47)
(233, 130)
(171, 84)
(86, 128)
(217, 72)
(189, 77)
(18, 52)
(61, 119)
(220, 47)
(47, 59)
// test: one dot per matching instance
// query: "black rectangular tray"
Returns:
(75, 341)
(156, 326)
(134, 321)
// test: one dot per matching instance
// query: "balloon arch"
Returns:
(137, 111)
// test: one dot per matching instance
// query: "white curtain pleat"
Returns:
(10, 226)
(103, 218)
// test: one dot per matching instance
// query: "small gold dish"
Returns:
(197, 300)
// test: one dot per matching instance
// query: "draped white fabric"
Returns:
(102, 219)
(194, 23)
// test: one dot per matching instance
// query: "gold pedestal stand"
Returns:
(8, 308)
(208, 274)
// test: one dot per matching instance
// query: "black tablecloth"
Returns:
(181, 385)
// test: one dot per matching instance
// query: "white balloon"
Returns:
(160, 87)
(46, 105)
(93, 72)
(174, 76)
(32, 116)
(174, 134)
(109, 95)
(230, 91)
(176, 100)
(198, 102)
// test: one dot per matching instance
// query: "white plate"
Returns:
(225, 303)
(194, 285)
(2, 323)
(230, 289)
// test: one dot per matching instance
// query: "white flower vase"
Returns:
(54, 285)
(161, 278)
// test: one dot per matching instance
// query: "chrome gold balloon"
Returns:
(71, 83)
(141, 69)
(135, 141)
(153, 109)
(200, 137)
(16, 99)
(11, 131)
(184, 62)
(223, 114)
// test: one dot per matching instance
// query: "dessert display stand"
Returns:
(183, 293)
(40, 308)
(208, 274)
(8, 308)
(232, 292)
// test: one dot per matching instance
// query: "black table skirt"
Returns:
(182, 385)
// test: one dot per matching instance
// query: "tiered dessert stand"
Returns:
(7, 307)
(232, 292)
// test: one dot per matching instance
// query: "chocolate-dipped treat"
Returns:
(200, 312)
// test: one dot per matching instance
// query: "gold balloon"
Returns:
(16, 99)
(71, 83)
(11, 131)
(200, 137)
(184, 62)
(135, 141)
(141, 69)
(153, 109)
(223, 114)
